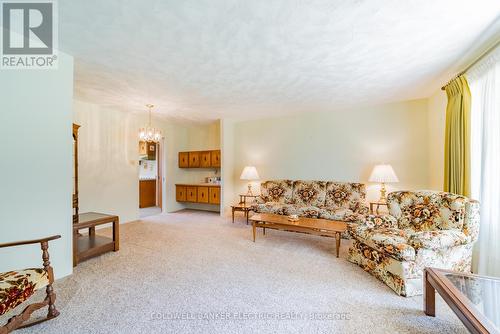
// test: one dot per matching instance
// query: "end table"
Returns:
(378, 205)
(241, 207)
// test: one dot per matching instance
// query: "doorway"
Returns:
(150, 179)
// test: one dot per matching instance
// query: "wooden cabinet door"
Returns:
(214, 194)
(183, 159)
(147, 193)
(180, 193)
(202, 194)
(151, 149)
(143, 150)
(194, 159)
(215, 156)
(191, 194)
(205, 160)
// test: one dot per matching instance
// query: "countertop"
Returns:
(198, 184)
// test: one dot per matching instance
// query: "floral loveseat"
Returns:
(423, 229)
(313, 199)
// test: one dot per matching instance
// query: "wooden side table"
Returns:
(87, 246)
(243, 198)
(241, 207)
(378, 205)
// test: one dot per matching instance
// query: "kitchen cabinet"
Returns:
(198, 193)
(183, 159)
(214, 195)
(205, 160)
(202, 195)
(200, 159)
(180, 193)
(194, 159)
(147, 193)
(215, 158)
(191, 194)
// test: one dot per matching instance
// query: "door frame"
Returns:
(159, 175)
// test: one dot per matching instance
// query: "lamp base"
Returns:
(250, 192)
(383, 197)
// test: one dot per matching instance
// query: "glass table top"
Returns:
(482, 292)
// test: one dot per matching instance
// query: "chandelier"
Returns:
(148, 133)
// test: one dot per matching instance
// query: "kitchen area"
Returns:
(149, 187)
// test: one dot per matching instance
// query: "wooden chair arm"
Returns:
(28, 242)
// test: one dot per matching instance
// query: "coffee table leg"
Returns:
(429, 297)
(246, 212)
(264, 230)
(337, 239)
(253, 228)
(232, 209)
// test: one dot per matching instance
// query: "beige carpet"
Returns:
(203, 269)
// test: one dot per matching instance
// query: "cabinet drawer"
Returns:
(183, 159)
(194, 159)
(191, 194)
(202, 194)
(214, 194)
(205, 160)
(180, 193)
(215, 158)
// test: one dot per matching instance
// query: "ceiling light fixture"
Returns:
(149, 133)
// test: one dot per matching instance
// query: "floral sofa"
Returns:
(423, 229)
(313, 199)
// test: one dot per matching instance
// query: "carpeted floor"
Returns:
(195, 272)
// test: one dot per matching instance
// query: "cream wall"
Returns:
(436, 123)
(107, 161)
(340, 145)
(36, 165)
(108, 158)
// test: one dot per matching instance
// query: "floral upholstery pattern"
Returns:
(393, 241)
(310, 199)
(17, 286)
(427, 210)
(346, 195)
(438, 239)
(273, 207)
(279, 191)
(424, 229)
(310, 193)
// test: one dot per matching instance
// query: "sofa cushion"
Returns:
(309, 193)
(341, 214)
(279, 191)
(346, 195)
(438, 239)
(392, 241)
(427, 210)
(18, 286)
(274, 207)
(308, 211)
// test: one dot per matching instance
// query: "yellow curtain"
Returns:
(457, 138)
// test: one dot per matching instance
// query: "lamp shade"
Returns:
(249, 173)
(383, 174)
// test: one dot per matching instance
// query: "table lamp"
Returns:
(383, 174)
(249, 174)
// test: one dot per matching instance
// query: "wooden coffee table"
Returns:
(316, 226)
(474, 299)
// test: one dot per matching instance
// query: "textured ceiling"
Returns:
(207, 59)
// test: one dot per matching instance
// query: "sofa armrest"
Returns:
(438, 239)
(472, 220)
